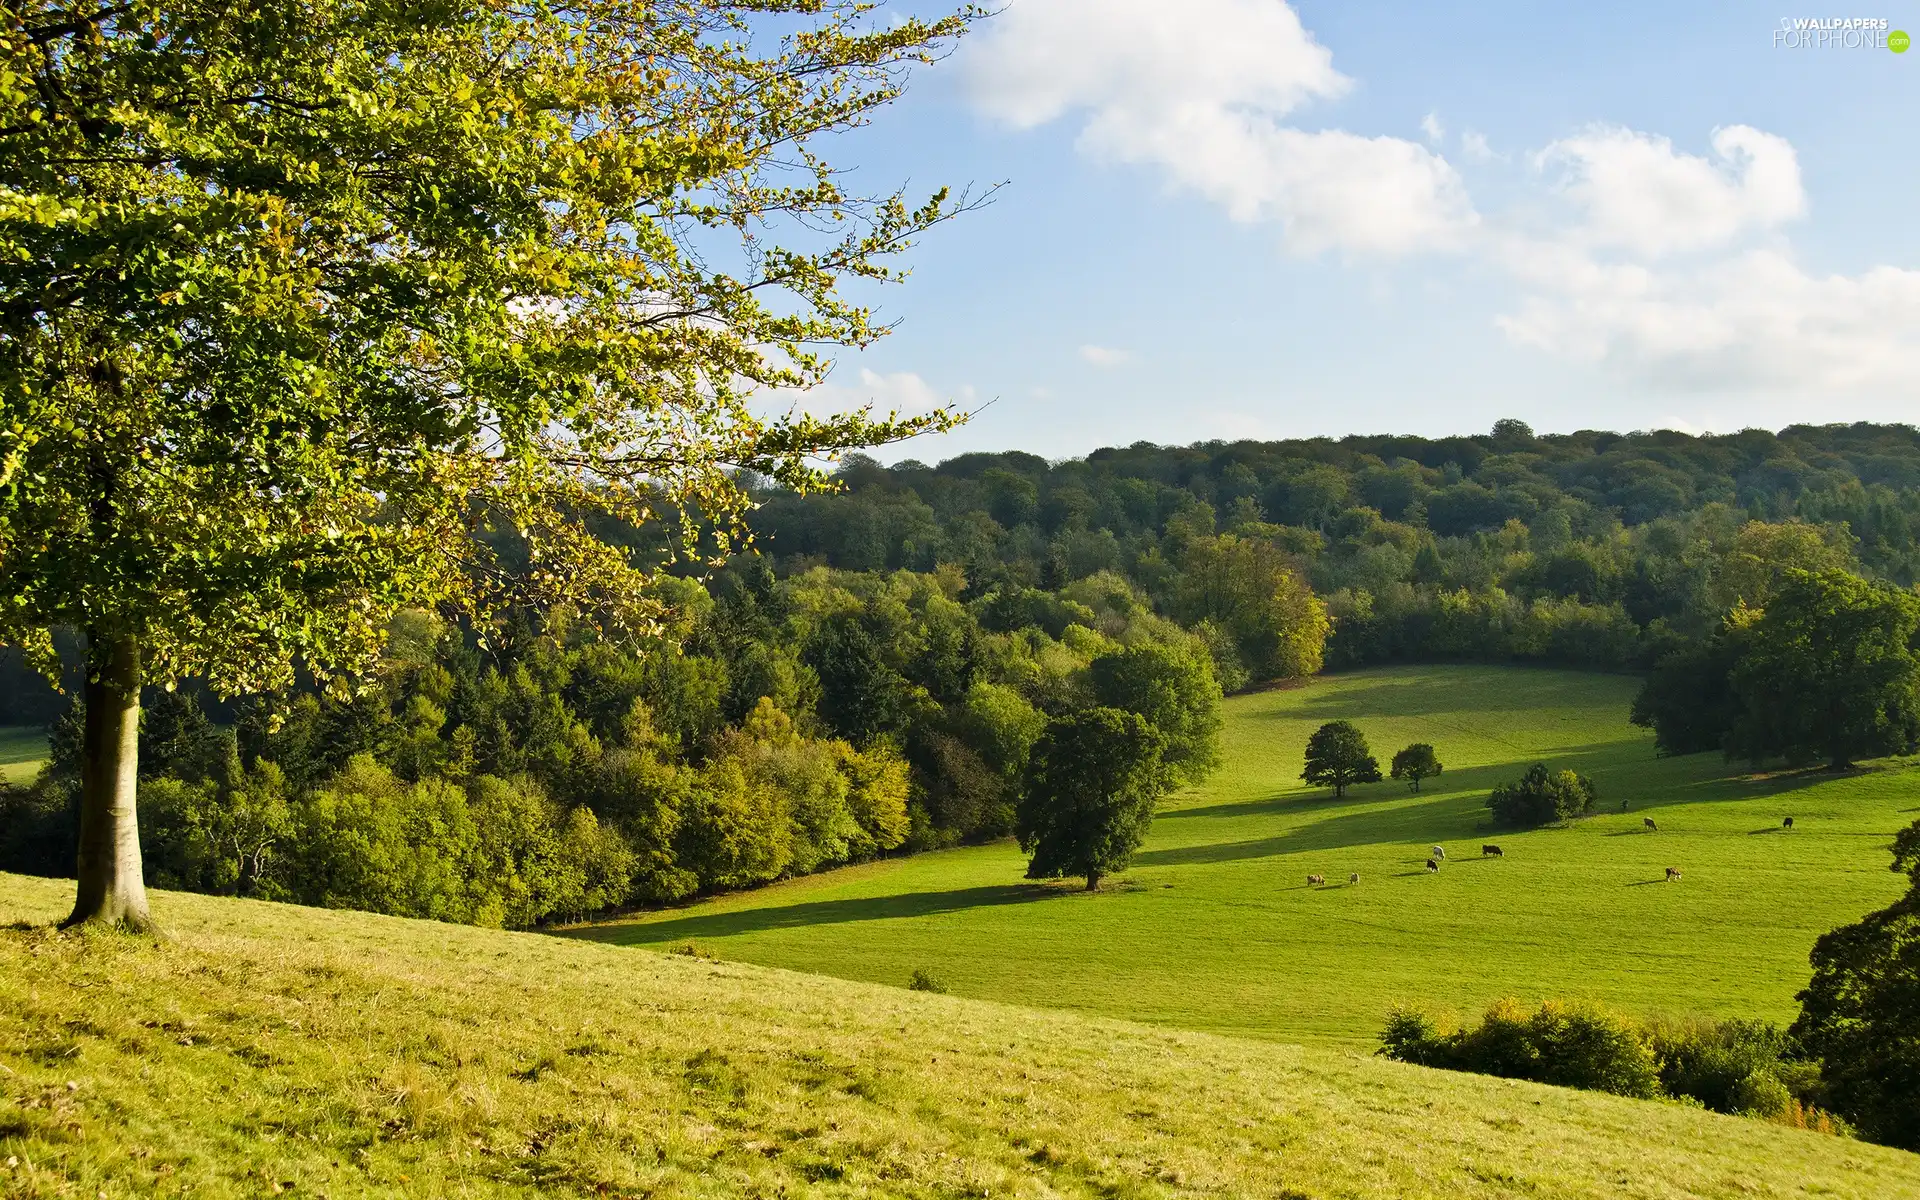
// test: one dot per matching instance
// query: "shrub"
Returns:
(921, 981)
(1541, 797)
(1743, 1067)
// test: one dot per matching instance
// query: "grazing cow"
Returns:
(1623, 806)
(1787, 824)
(1316, 880)
(1439, 851)
(1432, 865)
(1354, 878)
(1492, 852)
(1673, 873)
(1648, 822)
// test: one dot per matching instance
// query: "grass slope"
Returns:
(262, 1049)
(1215, 928)
(23, 748)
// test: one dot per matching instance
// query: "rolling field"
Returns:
(261, 1049)
(23, 748)
(1214, 928)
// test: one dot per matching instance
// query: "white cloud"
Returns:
(1474, 147)
(902, 392)
(1664, 266)
(1105, 357)
(1199, 89)
(1635, 192)
(1754, 321)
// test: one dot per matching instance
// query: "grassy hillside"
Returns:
(22, 749)
(1216, 929)
(262, 1049)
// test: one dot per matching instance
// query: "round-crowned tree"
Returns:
(1092, 782)
(1415, 763)
(1337, 755)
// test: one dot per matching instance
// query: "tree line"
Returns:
(1587, 549)
(773, 727)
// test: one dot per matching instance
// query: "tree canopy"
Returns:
(1415, 763)
(1337, 757)
(1091, 788)
(295, 303)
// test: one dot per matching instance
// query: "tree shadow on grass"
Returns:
(1374, 818)
(819, 912)
(1498, 689)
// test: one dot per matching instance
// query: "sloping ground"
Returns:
(261, 1049)
(1215, 927)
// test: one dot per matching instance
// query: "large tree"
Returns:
(1091, 786)
(1171, 684)
(1828, 671)
(1338, 756)
(294, 299)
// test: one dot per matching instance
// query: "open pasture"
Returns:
(264, 1049)
(23, 748)
(1216, 928)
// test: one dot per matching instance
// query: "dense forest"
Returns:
(873, 677)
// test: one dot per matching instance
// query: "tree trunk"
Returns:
(1093, 881)
(112, 889)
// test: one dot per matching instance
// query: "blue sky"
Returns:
(1240, 218)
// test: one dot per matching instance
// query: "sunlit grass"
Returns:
(1216, 928)
(23, 748)
(262, 1049)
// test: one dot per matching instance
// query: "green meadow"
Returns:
(1216, 928)
(264, 1049)
(23, 748)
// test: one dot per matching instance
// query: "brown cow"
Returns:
(1673, 873)
(1492, 852)
(1316, 880)
(1432, 865)
(1354, 878)
(1648, 822)
(1787, 824)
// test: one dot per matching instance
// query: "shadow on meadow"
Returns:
(818, 912)
(1384, 813)
(1491, 689)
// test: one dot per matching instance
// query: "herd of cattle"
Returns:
(1490, 850)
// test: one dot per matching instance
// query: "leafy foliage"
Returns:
(1828, 671)
(1415, 763)
(1861, 1012)
(1737, 1066)
(1091, 787)
(1541, 797)
(1337, 757)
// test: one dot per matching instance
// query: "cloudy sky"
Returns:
(1244, 218)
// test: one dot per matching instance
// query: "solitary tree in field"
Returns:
(1828, 671)
(1415, 763)
(295, 298)
(1092, 782)
(1337, 755)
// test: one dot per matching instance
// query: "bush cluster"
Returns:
(1743, 1067)
(1541, 797)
